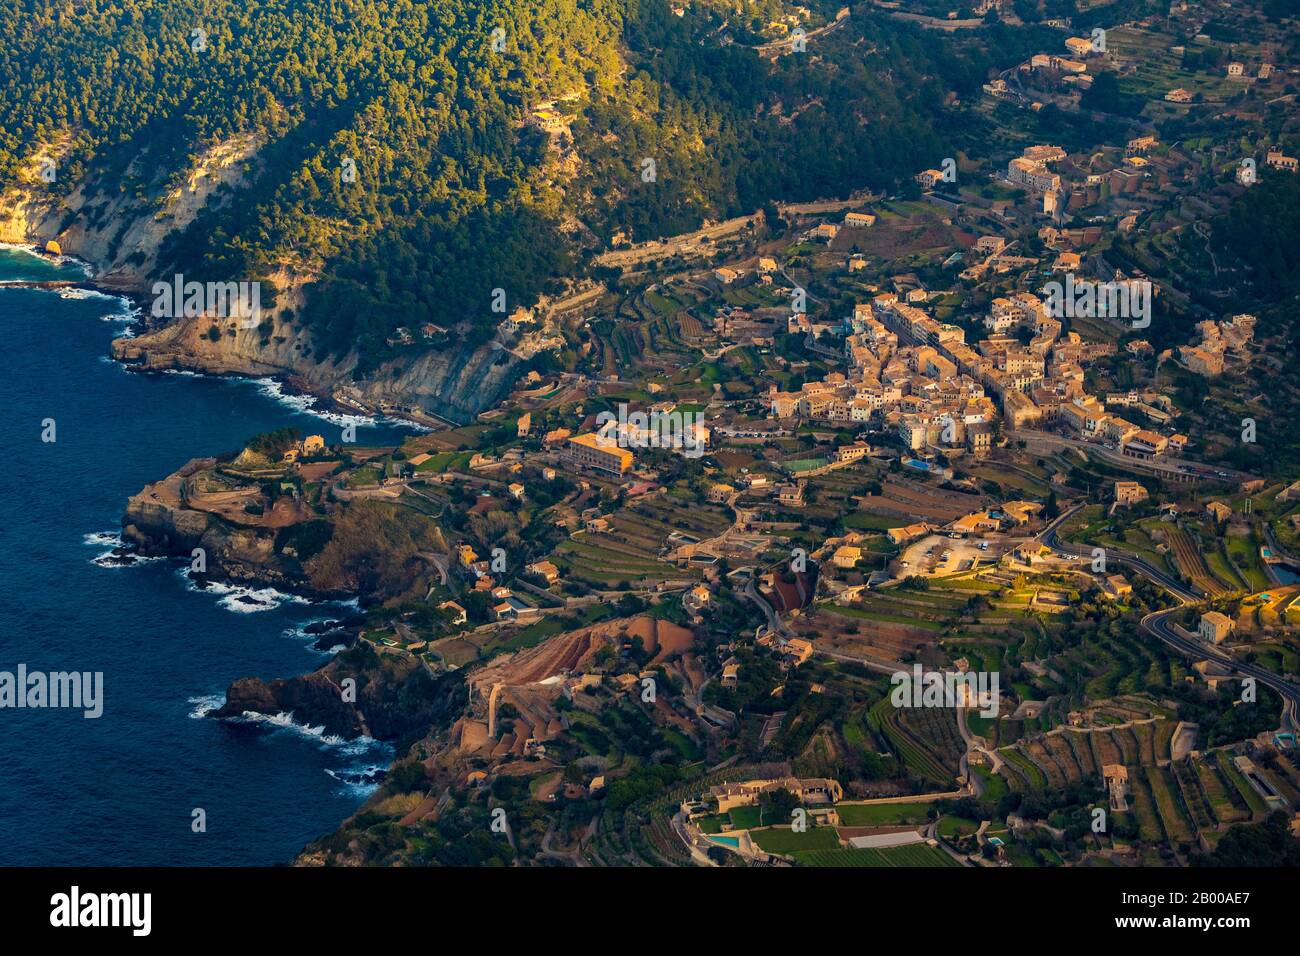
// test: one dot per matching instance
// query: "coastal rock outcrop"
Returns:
(396, 698)
(454, 384)
(158, 523)
(123, 241)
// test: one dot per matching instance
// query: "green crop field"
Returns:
(882, 814)
(786, 840)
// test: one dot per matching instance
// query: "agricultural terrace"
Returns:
(629, 553)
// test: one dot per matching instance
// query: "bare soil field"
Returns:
(884, 641)
(919, 502)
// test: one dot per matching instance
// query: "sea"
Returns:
(153, 780)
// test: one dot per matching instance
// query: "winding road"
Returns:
(1160, 623)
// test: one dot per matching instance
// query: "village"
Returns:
(976, 429)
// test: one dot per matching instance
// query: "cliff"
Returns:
(122, 235)
(397, 699)
(157, 522)
(456, 384)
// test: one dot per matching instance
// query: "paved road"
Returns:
(795, 285)
(786, 45)
(1164, 465)
(1160, 624)
(773, 619)
(1049, 537)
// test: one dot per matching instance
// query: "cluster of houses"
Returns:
(508, 606)
(1030, 168)
(790, 652)
(1235, 70)
(1217, 341)
(311, 445)
(916, 387)
(533, 336)
(913, 373)
(1086, 182)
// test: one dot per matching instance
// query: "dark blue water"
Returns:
(121, 789)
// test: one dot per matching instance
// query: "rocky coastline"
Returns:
(396, 699)
(390, 698)
(430, 390)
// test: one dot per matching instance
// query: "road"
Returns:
(810, 343)
(784, 46)
(682, 244)
(1203, 231)
(795, 285)
(1160, 624)
(973, 745)
(1049, 538)
(1174, 468)
(773, 619)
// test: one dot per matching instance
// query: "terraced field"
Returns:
(1105, 750)
(1119, 664)
(917, 502)
(1191, 563)
(629, 551)
(1025, 481)
(1144, 806)
(883, 814)
(1061, 758)
(1245, 792)
(606, 561)
(936, 728)
(1285, 779)
(1126, 740)
(1164, 790)
(1243, 551)
(786, 840)
(1146, 738)
(930, 611)
(1193, 798)
(1038, 754)
(1025, 775)
(1081, 747)
(1063, 755)
(1157, 68)
(910, 748)
(1226, 804)
(1221, 567)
